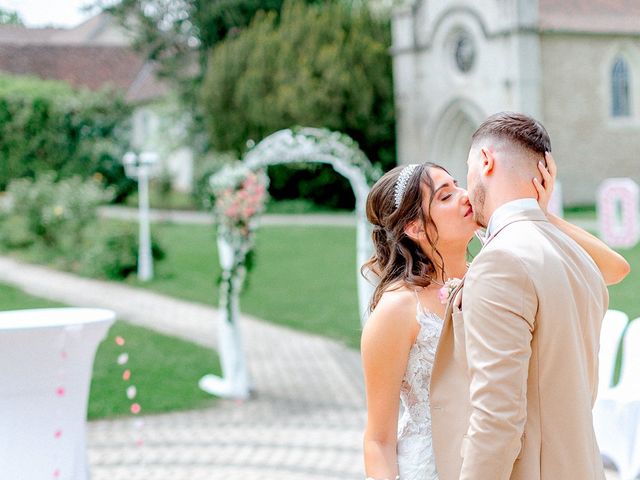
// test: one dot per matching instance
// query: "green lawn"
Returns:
(304, 277)
(580, 212)
(165, 370)
(624, 296)
(14, 299)
(175, 200)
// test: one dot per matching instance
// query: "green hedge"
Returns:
(48, 126)
(56, 222)
(316, 65)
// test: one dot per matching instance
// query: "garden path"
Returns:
(305, 421)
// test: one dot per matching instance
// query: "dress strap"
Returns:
(421, 308)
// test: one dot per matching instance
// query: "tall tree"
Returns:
(178, 35)
(323, 66)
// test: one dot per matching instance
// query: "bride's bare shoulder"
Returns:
(392, 322)
(396, 303)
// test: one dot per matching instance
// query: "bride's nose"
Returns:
(464, 197)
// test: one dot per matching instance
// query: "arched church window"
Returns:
(620, 88)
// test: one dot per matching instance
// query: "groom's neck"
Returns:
(502, 195)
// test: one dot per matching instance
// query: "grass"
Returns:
(300, 206)
(165, 370)
(14, 299)
(588, 210)
(304, 277)
(175, 200)
(624, 296)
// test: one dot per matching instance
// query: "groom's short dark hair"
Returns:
(516, 127)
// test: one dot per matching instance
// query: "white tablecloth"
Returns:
(46, 359)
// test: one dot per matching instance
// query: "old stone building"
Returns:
(573, 64)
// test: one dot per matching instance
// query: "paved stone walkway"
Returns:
(305, 422)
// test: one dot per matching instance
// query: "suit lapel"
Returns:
(446, 341)
(447, 330)
(452, 299)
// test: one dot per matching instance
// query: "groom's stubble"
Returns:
(479, 197)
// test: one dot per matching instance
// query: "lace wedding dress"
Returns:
(415, 453)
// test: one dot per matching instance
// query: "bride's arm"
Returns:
(386, 341)
(612, 265)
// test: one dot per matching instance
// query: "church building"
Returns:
(572, 64)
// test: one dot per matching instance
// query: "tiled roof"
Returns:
(93, 55)
(596, 16)
(19, 35)
(92, 67)
(101, 29)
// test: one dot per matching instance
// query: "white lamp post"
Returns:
(140, 167)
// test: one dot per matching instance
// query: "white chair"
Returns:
(617, 411)
(630, 374)
(613, 327)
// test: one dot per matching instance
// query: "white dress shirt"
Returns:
(507, 210)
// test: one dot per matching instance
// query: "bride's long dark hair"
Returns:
(397, 259)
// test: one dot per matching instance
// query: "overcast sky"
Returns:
(40, 13)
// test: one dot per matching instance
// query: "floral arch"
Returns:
(239, 193)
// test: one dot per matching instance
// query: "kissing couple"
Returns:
(495, 363)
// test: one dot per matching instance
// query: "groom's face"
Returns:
(475, 186)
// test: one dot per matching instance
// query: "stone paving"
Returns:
(304, 422)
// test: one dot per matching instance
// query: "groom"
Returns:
(515, 374)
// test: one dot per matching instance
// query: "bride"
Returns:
(423, 223)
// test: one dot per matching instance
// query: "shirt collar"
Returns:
(505, 211)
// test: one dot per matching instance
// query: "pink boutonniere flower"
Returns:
(444, 294)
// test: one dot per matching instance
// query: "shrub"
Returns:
(56, 223)
(48, 126)
(315, 65)
(113, 253)
(56, 214)
(205, 167)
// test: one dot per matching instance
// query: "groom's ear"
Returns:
(413, 230)
(488, 161)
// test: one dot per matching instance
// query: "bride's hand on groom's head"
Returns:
(545, 188)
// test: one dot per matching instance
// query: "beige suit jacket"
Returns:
(513, 384)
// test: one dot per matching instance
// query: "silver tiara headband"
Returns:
(401, 183)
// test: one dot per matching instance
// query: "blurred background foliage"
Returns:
(247, 68)
(47, 126)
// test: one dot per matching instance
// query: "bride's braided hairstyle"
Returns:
(397, 260)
